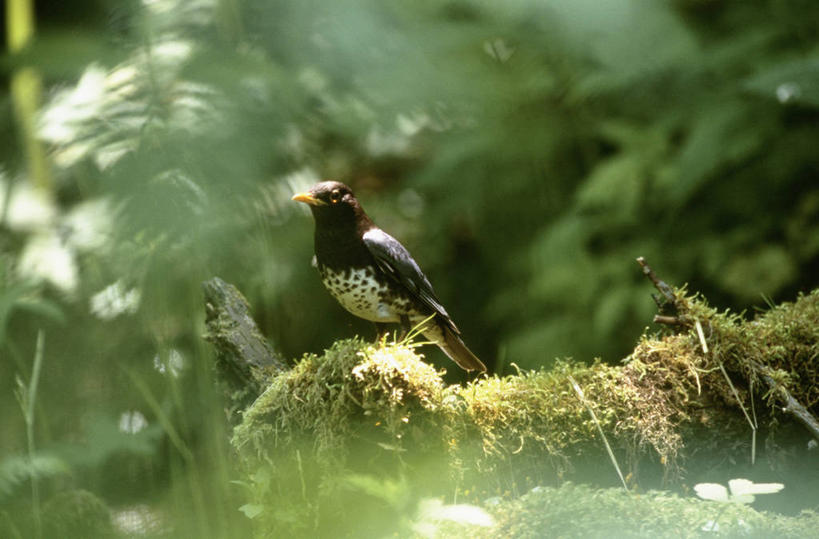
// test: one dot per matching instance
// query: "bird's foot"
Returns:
(405, 327)
(381, 331)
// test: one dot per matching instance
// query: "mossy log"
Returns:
(668, 386)
(245, 361)
(680, 402)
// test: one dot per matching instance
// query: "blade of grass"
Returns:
(161, 416)
(415, 331)
(752, 423)
(191, 472)
(27, 397)
(582, 398)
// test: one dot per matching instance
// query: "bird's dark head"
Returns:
(333, 203)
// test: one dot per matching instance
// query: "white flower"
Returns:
(28, 208)
(46, 258)
(742, 490)
(71, 108)
(114, 300)
(137, 520)
(173, 365)
(131, 422)
(431, 512)
(88, 225)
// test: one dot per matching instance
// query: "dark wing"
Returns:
(394, 260)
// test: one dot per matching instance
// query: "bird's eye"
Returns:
(335, 196)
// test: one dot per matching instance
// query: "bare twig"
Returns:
(671, 309)
(792, 406)
(660, 285)
(669, 320)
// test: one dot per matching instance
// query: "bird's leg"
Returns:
(405, 326)
(381, 330)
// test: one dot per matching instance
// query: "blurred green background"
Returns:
(524, 151)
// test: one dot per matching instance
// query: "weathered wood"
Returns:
(245, 360)
(792, 406)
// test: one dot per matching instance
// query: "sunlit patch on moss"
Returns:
(329, 396)
(393, 375)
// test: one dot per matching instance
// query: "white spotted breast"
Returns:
(360, 292)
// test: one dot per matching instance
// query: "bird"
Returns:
(373, 276)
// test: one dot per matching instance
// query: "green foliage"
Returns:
(76, 514)
(550, 145)
(15, 471)
(524, 151)
(104, 438)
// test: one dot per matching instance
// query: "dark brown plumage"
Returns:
(372, 275)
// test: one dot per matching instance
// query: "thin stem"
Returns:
(25, 88)
(162, 417)
(704, 346)
(582, 397)
(28, 413)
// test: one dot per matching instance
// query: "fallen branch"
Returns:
(245, 360)
(792, 406)
(669, 320)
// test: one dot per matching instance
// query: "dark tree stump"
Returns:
(245, 361)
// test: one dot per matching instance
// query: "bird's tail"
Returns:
(454, 347)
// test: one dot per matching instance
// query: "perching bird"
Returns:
(373, 276)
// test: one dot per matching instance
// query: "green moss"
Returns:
(357, 409)
(538, 417)
(77, 514)
(361, 410)
(584, 512)
(784, 340)
(331, 396)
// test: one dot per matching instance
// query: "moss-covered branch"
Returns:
(244, 359)
(792, 406)
(675, 405)
(779, 348)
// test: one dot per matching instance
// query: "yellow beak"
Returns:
(307, 198)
